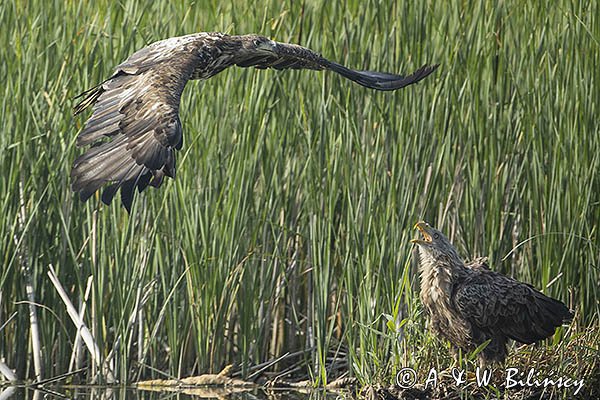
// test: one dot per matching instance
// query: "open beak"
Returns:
(422, 226)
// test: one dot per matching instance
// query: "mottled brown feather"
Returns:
(469, 304)
(135, 129)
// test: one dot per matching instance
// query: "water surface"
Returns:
(122, 393)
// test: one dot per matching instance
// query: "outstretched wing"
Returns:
(297, 57)
(134, 127)
(498, 304)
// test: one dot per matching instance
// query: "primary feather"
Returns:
(135, 129)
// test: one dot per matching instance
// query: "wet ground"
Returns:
(122, 393)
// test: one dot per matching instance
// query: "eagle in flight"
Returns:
(469, 304)
(134, 129)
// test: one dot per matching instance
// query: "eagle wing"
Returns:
(498, 304)
(135, 129)
(292, 56)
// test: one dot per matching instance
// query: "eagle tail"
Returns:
(550, 314)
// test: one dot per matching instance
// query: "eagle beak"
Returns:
(422, 226)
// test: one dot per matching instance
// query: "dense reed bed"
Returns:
(286, 233)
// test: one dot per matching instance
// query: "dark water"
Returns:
(122, 393)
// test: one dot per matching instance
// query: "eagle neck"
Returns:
(438, 277)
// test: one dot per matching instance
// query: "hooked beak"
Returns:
(422, 226)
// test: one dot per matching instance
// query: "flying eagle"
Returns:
(469, 304)
(135, 129)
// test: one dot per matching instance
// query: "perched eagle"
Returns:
(135, 129)
(469, 304)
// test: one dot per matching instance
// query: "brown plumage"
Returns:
(469, 304)
(135, 129)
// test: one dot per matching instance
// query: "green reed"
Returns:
(287, 229)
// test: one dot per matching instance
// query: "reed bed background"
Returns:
(286, 233)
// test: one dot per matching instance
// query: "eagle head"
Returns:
(433, 245)
(258, 44)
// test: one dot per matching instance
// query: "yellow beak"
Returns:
(422, 226)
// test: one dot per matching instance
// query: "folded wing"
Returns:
(498, 304)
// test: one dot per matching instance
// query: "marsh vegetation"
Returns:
(283, 245)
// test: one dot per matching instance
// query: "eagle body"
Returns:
(135, 130)
(468, 304)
